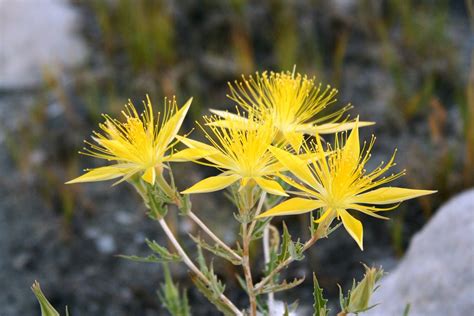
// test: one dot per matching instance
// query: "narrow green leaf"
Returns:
(283, 286)
(162, 251)
(177, 304)
(210, 295)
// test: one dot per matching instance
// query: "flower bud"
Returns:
(359, 296)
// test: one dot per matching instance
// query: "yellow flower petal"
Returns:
(368, 210)
(293, 206)
(212, 184)
(353, 227)
(214, 155)
(351, 150)
(171, 127)
(294, 164)
(230, 120)
(188, 154)
(101, 174)
(389, 195)
(149, 175)
(325, 215)
(330, 128)
(270, 186)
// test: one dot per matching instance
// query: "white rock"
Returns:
(37, 36)
(436, 276)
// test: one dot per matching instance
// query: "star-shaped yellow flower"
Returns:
(291, 101)
(137, 145)
(339, 183)
(242, 155)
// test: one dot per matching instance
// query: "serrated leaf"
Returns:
(210, 295)
(147, 259)
(216, 286)
(286, 240)
(177, 304)
(157, 202)
(289, 248)
(260, 225)
(163, 252)
(320, 303)
(273, 288)
(215, 249)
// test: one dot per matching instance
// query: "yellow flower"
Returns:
(291, 102)
(241, 154)
(137, 145)
(339, 183)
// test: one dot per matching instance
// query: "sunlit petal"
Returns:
(353, 227)
(149, 175)
(293, 206)
(295, 165)
(212, 184)
(331, 128)
(389, 195)
(101, 174)
(270, 186)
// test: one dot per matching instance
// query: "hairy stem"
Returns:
(247, 270)
(213, 236)
(193, 267)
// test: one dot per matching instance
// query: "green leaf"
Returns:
(320, 303)
(289, 248)
(177, 304)
(162, 251)
(210, 295)
(216, 286)
(273, 288)
(216, 249)
(46, 308)
(162, 254)
(156, 201)
(260, 225)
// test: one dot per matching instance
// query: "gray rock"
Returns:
(36, 36)
(436, 276)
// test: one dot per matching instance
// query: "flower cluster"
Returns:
(273, 138)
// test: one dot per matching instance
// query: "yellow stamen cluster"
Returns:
(241, 154)
(139, 144)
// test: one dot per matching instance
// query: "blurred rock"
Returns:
(436, 275)
(36, 36)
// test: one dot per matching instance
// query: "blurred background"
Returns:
(408, 65)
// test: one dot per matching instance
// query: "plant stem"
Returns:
(212, 235)
(317, 235)
(258, 211)
(193, 267)
(247, 270)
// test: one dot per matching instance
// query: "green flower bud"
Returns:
(359, 296)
